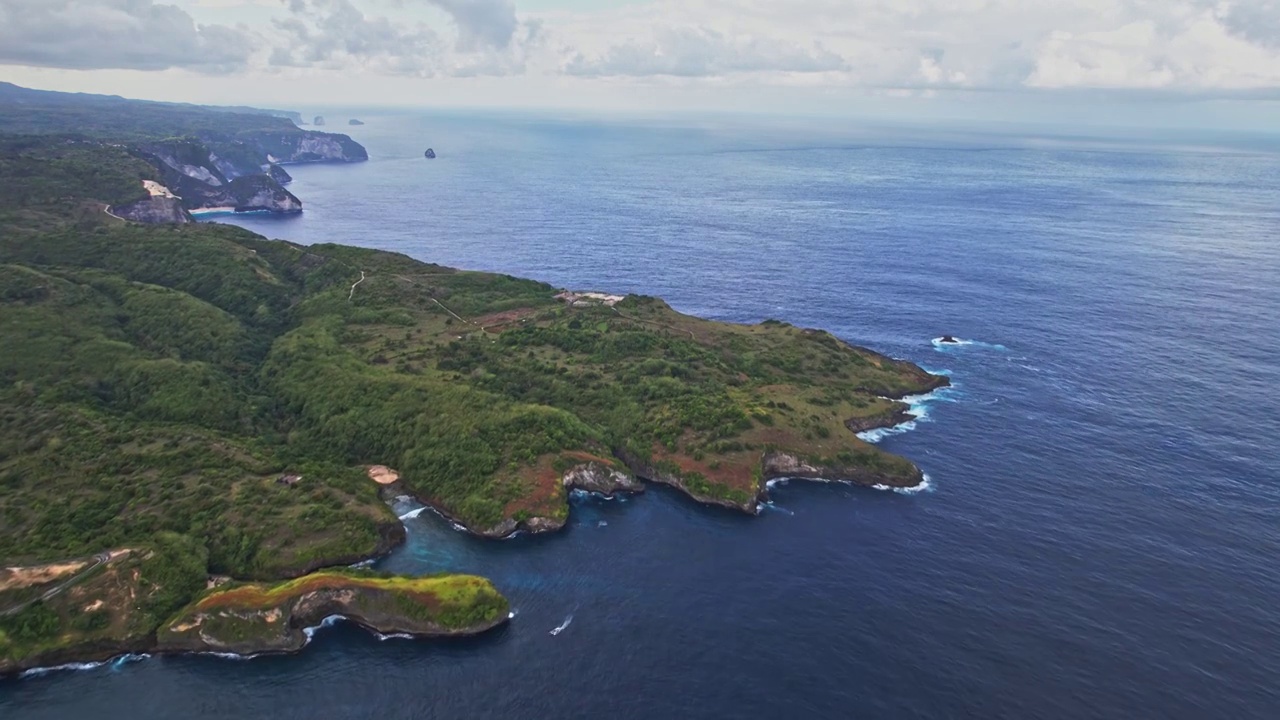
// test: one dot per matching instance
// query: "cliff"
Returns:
(123, 604)
(258, 618)
(154, 210)
(199, 152)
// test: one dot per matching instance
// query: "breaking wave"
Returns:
(563, 625)
(941, 346)
(918, 409)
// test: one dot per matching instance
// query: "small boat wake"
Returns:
(563, 625)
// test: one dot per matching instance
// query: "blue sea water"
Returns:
(1101, 534)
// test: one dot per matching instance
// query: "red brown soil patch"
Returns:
(736, 470)
(497, 322)
(544, 490)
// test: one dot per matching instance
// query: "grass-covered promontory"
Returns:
(258, 618)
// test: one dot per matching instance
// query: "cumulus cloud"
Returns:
(129, 34)
(482, 23)
(336, 34)
(1184, 45)
(700, 51)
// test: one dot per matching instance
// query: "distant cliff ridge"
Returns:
(224, 158)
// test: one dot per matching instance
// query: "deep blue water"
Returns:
(1101, 538)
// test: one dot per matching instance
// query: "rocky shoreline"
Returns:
(595, 477)
(288, 627)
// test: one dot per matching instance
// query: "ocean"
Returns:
(1100, 536)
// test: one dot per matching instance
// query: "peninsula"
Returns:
(195, 421)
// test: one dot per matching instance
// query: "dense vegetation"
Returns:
(158, 383)
(26, 111)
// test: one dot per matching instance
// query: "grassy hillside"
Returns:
(159, 382)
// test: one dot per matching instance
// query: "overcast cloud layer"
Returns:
(1184, 46)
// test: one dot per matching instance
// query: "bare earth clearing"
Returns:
(383, 475)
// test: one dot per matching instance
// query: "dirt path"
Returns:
(353, 287)
(86, 568)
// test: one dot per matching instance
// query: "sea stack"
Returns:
(949, 340)
(429, 154)
(319, 120)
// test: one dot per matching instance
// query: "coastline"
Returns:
(90, 659)
(775, 468)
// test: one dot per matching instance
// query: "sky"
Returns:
(1211, 63)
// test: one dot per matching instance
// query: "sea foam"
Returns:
(917, 408)
(962, 343)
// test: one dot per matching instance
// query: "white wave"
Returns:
(330, 621)
(226, 655)
(917, 408)
(961, 342)
(563, 625)
(511, 615)
(602, 523)
(129, 658)
(926, 485)
(393, 636)
(580, 494)
(363, 564)
(36, 672)
(774, 507)
(412, 514)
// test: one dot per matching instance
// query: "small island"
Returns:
(430, 154)
(199, 423)
(354, 121)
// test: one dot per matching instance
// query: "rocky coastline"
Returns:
(597, 478)
(381, 605)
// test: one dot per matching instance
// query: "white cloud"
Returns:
(917, 46)
(131, 34)
(1184, 45)
(482, 23)
(338, 35)
(700, 52)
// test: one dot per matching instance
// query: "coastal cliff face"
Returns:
(201, 179)
(259, 619)
(777, 465)
(242, 173)
(596, 477)
(741, 500)
(156, 210)
(306, 147)
(257, 193)
(593, 476)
